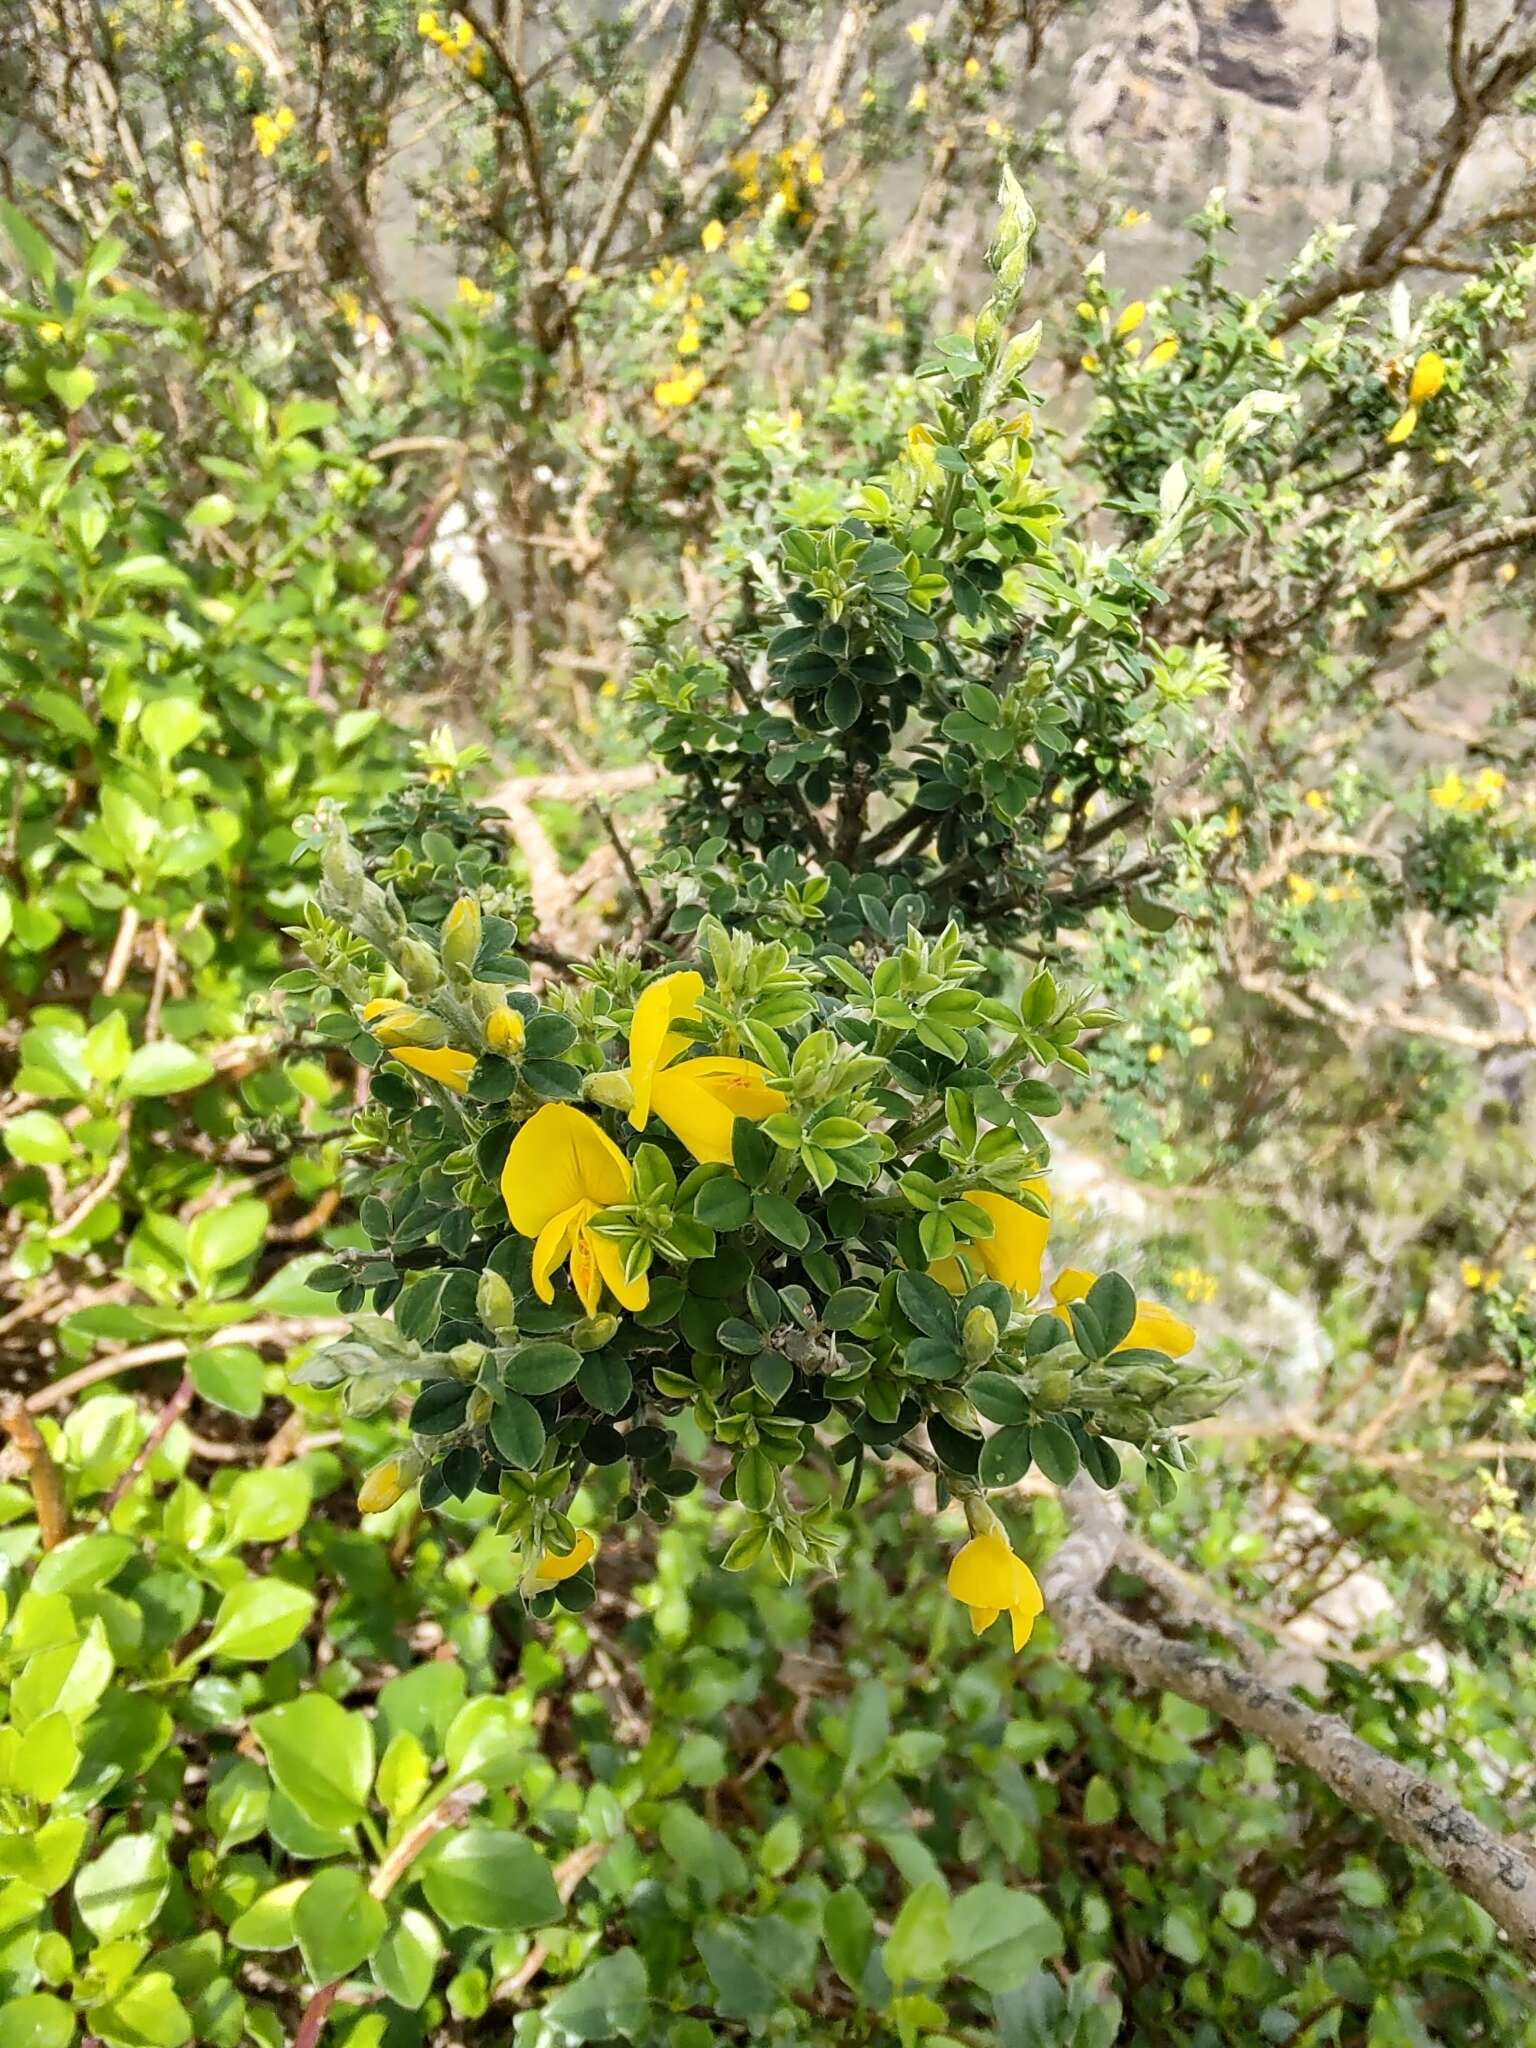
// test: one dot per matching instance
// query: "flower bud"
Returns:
(505, 1031)
(465, 1360)
(1053, 1391)
(979, 1335)
(419, 964)
(394, 1024)
(609, 1090)
(593, 1332)
(461, 936)
(341, 866)
(495, 1304)
(389, 1480)
(480, 1410)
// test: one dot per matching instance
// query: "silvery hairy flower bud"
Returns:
(979, 1335)
(461, 936)
(495, 1304)
(594, 1332)
(341, 865)
(419, 965)
(609, 1091)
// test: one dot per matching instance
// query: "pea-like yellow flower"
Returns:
(1303, 890)
(680, 389)
(505, 1030)
(712, 236)
(697, 1099)
(798, 299)
(1402, 426)
(439, 1063)
(1155, 1329)
(1132, 317)
(1012, 1254)
(563, 1169)
(555, 1567)
(1428, 378)
(988, 1579)
(1164, 352)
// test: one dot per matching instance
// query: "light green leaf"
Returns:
(165, 1068)
(338, 1923)
(321, 1756)
(489, 1878)
(259, 1619)
(125, 1887)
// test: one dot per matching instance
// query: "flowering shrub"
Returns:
(789, 1200)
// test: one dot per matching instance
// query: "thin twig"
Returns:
(42, 1473)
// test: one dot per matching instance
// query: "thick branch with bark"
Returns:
(1413, 1809)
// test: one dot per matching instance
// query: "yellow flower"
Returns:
(986, 1577)
(1085, 311)
(471, 294)
(1449, 791)
(697, 1099)
(561, 1171)
(712, 237)
(1090, 363)
(1471, 1273)
(556, 1566)
(1164, 352)
(1155, 1329)
(1427, 379)
(427, 24)
(1132, 317)
(1303, 891)
(50, 332)
(1013, 1252)
(393, 1023)
(1402, 426)
(1201, 1035)
(972, 67)
(1155, 1054)
(1133, 217)
(439, 1063)
(382, 1488)
(917, 31)
(270, 129)
(505, 1030)
(1486, 792)
(1315, 800)
(798, 299)
(680, 389)
(917, 100)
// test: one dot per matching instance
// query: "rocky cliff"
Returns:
(1271, 98)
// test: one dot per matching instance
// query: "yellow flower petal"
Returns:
(586, 1276)
(699, 1101)
(653, 1043)
(553, 1246)
(630, 1294)
(1402, 426)
(1132, 317)
(554, 1567)
(981, 1573)
(557, 1159)
(1155, 1329)
(1013, 1252)
(438, 1063)
(1428, 378)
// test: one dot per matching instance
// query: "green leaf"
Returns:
(848, 1930)
(609, 1998)
(258, 1620)
(926, 1305)
(1001, 1937)
(723, 1203)
(849, 1305)
(266, 1505)
(72, 387)
(920, 1944)
(606, 1381)
(229, 1377)
(32, 247)
(321, 1756)
(237, 1803)
(1005, 1457)
(268, 1923)
(219, 1239)
(541, 1368)
(489, 1878)
(781, 1219)
(1054, 1450)
(125, 1887)
(998, 1397)
(339, 1925)
(165, 1068)
(1112, 1300)
(37, 1139)
(146, 2013)
(406, 1960)
(517, 1432)
(36, 2021)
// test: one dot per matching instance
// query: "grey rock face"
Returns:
(1268, 97)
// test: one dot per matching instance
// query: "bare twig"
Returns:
(42, 1473)
(171, 1413)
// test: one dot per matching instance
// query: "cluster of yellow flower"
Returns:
(1124, 333)
(1194, 1283)
(563, 1170)
(456, 40)
(1485, 792)
(679, 388)
(1426, 382)
(474, 295)
(270, 130)
(1479, 1277)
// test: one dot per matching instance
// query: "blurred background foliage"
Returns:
(364, 370)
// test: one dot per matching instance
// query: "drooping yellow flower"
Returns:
(1132, 317)
(555, 1567)
(563, 1169)
(439, 1063)
(697, 1099)
(1012, 1254)
(1402, 426)
(1428, 378)
(1155, 1329)
(988, 1579)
